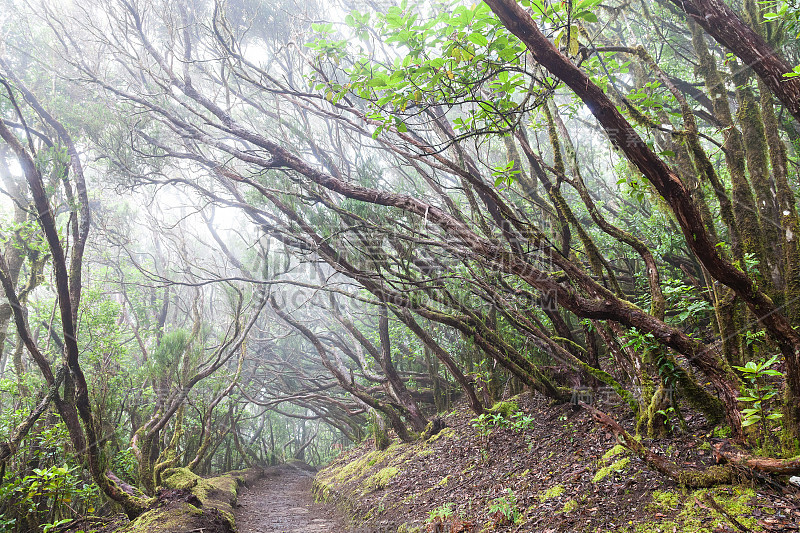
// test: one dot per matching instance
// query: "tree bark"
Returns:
(725, 26)
(670, 187)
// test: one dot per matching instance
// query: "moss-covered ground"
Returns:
(564, 475)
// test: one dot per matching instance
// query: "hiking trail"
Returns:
(281, 502)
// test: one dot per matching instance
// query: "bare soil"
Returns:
(281, 502)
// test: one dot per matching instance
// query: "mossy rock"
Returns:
(217, 497)
(506, 408)
(174, 517)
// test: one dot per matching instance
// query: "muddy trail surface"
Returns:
(281, 502)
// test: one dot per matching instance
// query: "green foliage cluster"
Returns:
(513, 419)
(506, 507)
(448, 56)
(440, 514)
(760, 394)
(45, 497)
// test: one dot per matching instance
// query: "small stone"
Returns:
(795, 480)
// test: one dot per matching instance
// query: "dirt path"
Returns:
(281, 502)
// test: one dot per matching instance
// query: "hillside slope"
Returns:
(542, 469)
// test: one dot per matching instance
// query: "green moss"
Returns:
(224, 483)
(157, 521)
(356, 468)
(713, 475)
(552, 492)
(735, 500)
(657, 527)
(665, 500)
(615, 467)
(410, 498)
(382, 440)
(570, 506)
(616, 450)
(382, 477)
(506, 408)
(446, 432)
(694, 517)
(606, 378)
(218, 494)
(375, 511)
(180, 478)
(722, 431)
(221, 489)
(322, 492)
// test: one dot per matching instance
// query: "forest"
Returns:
(241, 233)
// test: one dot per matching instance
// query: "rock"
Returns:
(795, 480)
(189, 503)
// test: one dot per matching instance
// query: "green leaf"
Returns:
(558, 38)
(322, 28)
(478, 39)
(507, 54)
(795, 73)
(585, 4)
(574, 46)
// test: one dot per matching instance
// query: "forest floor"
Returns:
(281, 502)
(561, 473)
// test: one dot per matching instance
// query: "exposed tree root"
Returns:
(725, 452)
(733, 461)
(688, 477)
(721, 510)
(126, 487)
(189, 503)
